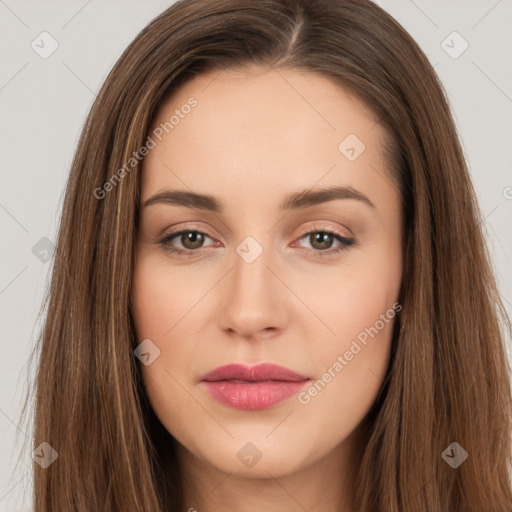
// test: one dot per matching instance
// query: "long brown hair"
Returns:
(448, 379)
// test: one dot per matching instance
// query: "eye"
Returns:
(322, 238)
(190, 239)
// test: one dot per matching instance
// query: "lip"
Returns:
(253, 387)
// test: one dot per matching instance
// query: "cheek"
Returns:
(353, 355)
(163, 311)
(351, 364)
(356, 300)
(360, 316)
(162, 298)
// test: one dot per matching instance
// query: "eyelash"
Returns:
(345, 242)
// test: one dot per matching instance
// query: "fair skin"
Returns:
(255, 137)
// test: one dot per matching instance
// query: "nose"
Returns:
(254, 299)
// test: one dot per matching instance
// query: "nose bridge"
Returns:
(251, 277)
(250, 265)
(251, 303)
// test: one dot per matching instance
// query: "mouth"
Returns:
(253, 387)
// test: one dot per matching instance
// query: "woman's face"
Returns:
(274, 269)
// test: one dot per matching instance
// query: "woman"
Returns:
(271, 288)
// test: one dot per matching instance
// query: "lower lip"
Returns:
(253, 396)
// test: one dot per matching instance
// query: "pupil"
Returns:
(324, 240)
(194, 238)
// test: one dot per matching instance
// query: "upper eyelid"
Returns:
(311, 229)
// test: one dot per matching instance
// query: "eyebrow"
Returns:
(299, 200)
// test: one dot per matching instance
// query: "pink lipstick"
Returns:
(253, 387)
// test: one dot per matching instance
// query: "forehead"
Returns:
(256, 127)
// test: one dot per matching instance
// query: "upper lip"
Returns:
(256, 373)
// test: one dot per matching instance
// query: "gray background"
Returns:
(43, 104)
